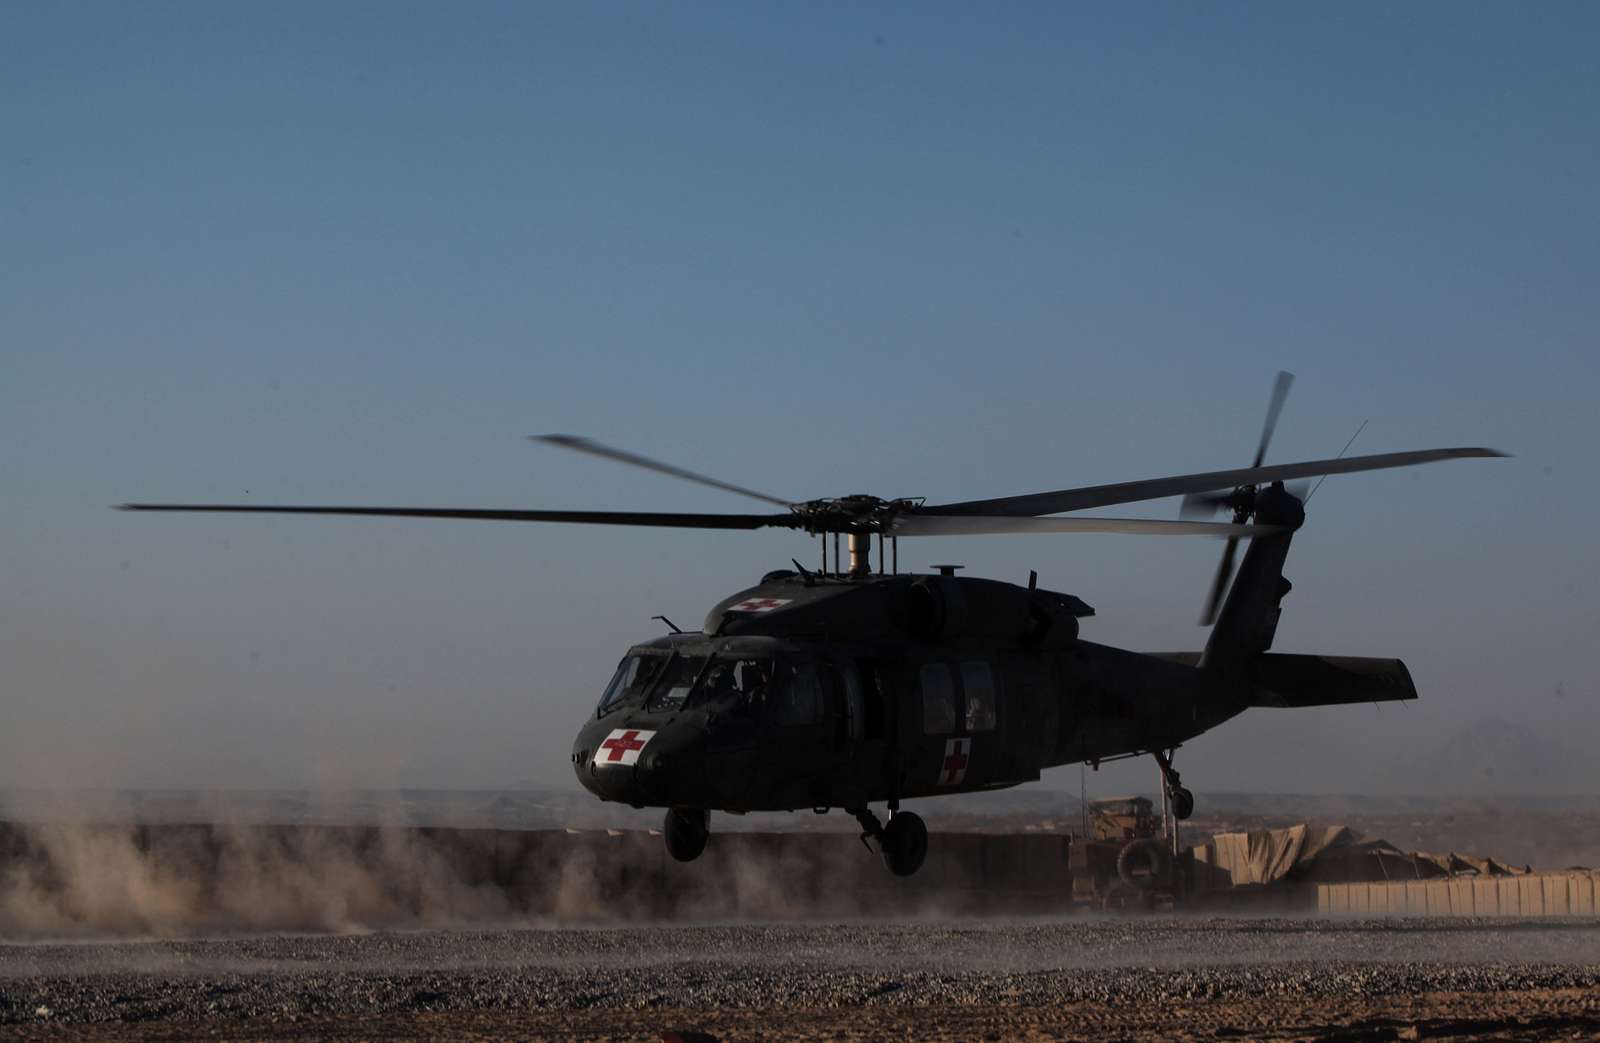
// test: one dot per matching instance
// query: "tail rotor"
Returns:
(1241, 500)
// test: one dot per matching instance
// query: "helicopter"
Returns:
(854, 684)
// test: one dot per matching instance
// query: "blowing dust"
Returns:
(76, 880)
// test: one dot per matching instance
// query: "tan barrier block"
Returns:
(1416, 898)
(1486, 897)
(1438, 895)
(1382, 898)
(1583, 888)
(1461, 899)
(1510, 896)
(1530, 892)
(1555, 896)
(1339, 900)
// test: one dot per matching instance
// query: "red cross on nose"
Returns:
(627, 742)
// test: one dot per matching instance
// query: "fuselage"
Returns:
(811, 693)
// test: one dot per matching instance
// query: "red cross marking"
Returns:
(955, 764)
(759, 604)
(627, 742)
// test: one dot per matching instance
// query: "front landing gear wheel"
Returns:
(685, 831)
(904, 843)
(1182, 803)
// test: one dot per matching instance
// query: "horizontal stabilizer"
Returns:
(1316, 680)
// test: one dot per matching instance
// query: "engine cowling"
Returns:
(940, 608)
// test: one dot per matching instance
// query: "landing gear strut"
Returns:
(903, 842)
(1182, 800)
(686, 831)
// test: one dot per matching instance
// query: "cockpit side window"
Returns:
(735, 681)
(633, 677)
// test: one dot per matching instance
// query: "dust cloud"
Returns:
(83, 880)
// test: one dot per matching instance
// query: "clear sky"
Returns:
(356, 252)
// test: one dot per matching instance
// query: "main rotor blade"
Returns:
(584, 445)
(649, 518)
(1219, 584)
(1079, 499)
(1280, 391)
(982, 525)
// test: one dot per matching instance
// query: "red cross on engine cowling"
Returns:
(759, 604)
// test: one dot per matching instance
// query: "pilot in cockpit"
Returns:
(753, 681)
(720, 683)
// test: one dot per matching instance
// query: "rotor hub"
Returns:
(856, 514)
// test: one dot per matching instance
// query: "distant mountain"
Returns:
(1496, 757)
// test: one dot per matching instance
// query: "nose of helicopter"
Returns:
(642, 762)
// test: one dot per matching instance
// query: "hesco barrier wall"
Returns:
(171, 878)
(1553, 894)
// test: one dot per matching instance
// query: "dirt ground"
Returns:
(1541, 1014)
(1175, 979)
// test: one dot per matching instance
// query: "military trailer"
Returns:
(1125, 861)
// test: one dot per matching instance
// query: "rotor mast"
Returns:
(860, 553)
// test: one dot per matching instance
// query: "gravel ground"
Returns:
(1171, 978)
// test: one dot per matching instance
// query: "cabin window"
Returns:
(938, 700)
(797, 693)
(978, 682)
(875, 685)
(634, 675)
(854, 700)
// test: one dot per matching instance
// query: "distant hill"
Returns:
(1496, 757)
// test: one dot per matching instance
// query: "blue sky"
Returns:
(357, 253)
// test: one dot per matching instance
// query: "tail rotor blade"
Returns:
(1219, 585)
(1197, 506)
(1280, 391)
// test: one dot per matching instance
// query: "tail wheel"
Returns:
(1182, 803)
(1144, 864)
(904, 843)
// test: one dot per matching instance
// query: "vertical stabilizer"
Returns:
(1249, 616)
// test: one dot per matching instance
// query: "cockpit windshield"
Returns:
(634, 676)
(790, 689)
(672, 691)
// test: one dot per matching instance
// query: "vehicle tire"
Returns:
(904, 843)
(1143, 864)
(686, 830)
(1182, 803)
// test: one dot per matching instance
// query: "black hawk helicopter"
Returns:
(848, 686)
